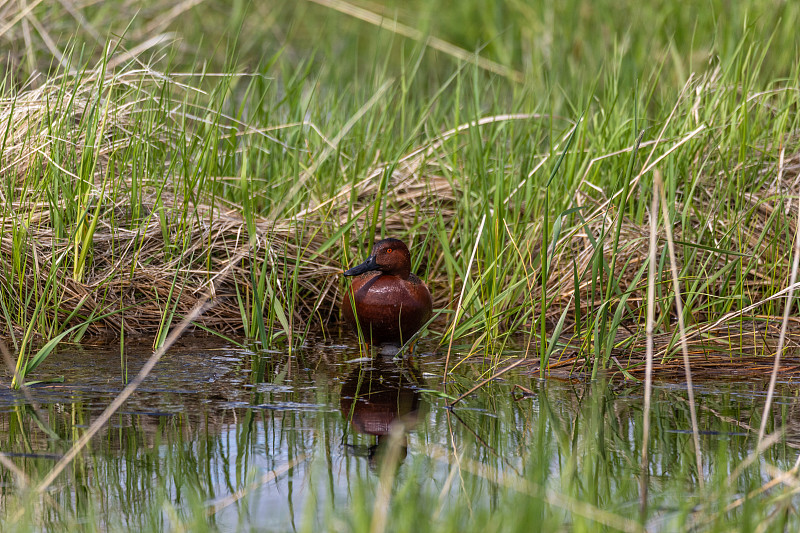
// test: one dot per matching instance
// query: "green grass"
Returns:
(254, 173)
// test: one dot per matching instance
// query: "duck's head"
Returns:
(390, 256)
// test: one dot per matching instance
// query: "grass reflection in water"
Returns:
(222, 439)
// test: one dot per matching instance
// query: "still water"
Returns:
(225, 438)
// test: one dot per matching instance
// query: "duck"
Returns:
(391, 303)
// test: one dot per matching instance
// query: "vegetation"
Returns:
(138, 179)
(221, 163)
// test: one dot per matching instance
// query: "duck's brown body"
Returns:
(391, 304)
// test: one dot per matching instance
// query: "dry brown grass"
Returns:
(135, 275)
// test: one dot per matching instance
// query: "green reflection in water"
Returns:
(372, 445)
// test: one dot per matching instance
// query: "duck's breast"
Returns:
(389, 304)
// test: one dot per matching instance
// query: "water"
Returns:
(197, 444)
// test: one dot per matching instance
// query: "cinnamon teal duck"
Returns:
(391, 303)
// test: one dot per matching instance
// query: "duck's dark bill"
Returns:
(366, 266)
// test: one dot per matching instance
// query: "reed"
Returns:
(132, 178)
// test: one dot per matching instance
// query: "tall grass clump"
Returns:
(138, 175)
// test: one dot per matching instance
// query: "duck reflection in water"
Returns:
(382, 400)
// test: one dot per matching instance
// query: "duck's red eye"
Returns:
(388, 250)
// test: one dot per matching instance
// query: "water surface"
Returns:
(233, 439)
